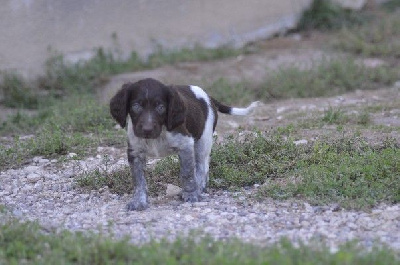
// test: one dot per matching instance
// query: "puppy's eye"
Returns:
(137, 108)
(160, 108)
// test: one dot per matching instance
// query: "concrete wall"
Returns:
(30, 28)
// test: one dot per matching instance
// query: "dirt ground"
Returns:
(253, 68)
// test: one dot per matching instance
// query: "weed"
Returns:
(12, 154)
(230, 92)
(238, 163)
(363, 118)
(17, 93)
(75, 125)
(334, 116)
(85, 76)
(119, 181)
(391, 5)
(62, 79)
(326, 15)
(346, 171)
(197, 53)
(331, 77)
(380, 38)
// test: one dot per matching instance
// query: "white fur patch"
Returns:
(204, 144)
(166, 144)
(208, 126)
(244, 111)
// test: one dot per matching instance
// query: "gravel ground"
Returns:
(45, 191)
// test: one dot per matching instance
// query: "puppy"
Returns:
(169, 119)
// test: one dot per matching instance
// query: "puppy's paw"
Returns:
(191, 196)
(137, 204)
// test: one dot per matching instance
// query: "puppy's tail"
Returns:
(235, 111)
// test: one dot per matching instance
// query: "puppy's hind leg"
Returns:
(202, 153)
(190, 188)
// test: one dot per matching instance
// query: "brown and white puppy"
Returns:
(167, 119)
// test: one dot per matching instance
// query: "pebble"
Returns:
(44, 192)
(173, 190)
(33, 177)
(302, 141)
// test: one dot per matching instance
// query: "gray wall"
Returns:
(30, 28)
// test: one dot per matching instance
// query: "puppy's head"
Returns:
(150, 105)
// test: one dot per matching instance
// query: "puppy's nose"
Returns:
(147, 127)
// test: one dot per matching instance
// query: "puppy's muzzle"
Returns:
(148, 128)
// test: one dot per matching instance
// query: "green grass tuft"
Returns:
(334, 116)
(379, 39)
(196, 54)
(229, 92)
(17, 93)
(346, 171)
(76, 125)
(327, 15)
(331, 77)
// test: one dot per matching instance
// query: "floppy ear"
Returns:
(119, 104)
(176, 110)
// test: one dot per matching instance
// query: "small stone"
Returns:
(71, 155)
(33, 177)
(281, 109)
(352, 226)
(172, 190)
(188, 218)
(17, 213)
(302, 141)
(305, 223)
(200, 204)
(43, 161)
(31, 169)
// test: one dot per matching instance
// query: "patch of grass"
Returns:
(326, 15)
(232, 93)
(26, 243)
(334, 116)
(346, 170)
(250, 160)
(120, 181)
(363, 118)
(380, 38)
(76, 125)
(195, 54)
(85, 76)
(49, 142)
(62, 79)
(17, 93)
(391, 6)
(328, 78)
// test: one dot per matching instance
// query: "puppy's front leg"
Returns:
(137, 164)
(190, 188)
